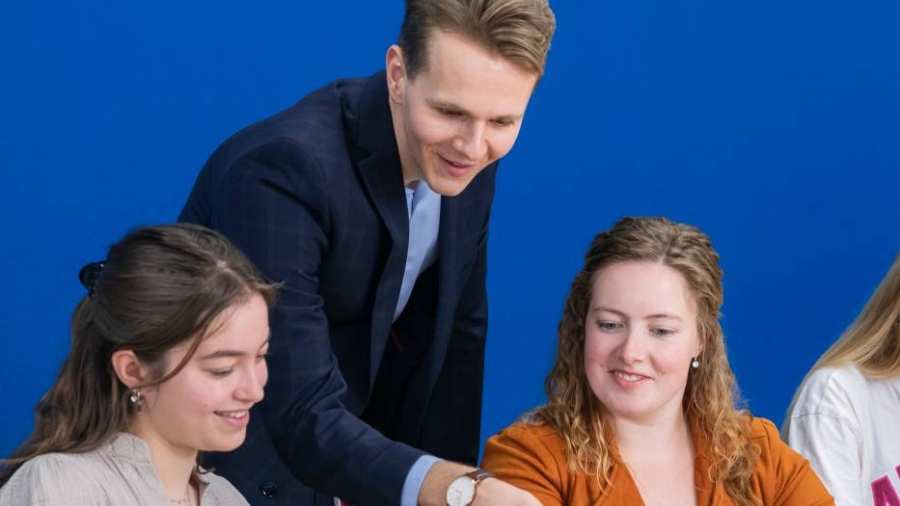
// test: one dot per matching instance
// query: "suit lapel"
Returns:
(448, 282)
(447, 299)
(372, 130)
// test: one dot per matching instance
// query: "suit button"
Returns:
(268, 489)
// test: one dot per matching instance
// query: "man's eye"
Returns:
(502, 122)
(450, 112)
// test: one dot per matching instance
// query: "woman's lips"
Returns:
(237, 418)
(627, 378)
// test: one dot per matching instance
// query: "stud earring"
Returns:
(695, 363)
(136, 398)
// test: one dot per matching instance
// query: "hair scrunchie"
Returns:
(89, 274)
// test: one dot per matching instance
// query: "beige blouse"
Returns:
(118, 473)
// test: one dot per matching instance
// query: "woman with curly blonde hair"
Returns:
(641, 397)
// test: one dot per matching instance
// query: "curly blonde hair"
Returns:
(709, 398)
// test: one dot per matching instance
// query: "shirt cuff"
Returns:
(414, 479)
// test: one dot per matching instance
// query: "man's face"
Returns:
(461, 112)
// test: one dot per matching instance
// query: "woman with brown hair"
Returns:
(641, 399)
(845, 417)
(168, 356)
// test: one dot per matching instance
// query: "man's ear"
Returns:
(395, 68)
(129, 369)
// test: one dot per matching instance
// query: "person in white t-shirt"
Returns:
(845, 417)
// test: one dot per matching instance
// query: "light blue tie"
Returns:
(424, 208)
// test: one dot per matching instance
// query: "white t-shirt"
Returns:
(848, 426)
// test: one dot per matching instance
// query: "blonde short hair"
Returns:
(518, 30)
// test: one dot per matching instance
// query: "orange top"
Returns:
(533, 457)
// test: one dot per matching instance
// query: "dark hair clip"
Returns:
(89, 274)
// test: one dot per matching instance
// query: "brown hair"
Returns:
(158, 287)
(709, 399)
(518, 30)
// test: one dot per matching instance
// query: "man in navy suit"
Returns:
(370, 200)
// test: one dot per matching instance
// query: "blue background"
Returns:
(772, 125)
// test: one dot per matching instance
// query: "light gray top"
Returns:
(119, 473)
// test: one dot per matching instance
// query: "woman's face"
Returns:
(640, 337)
(206, 405)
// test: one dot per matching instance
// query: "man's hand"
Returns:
(490, 492)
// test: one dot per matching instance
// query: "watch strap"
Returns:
(479, 474)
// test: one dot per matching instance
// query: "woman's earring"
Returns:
(695, 363)
(136, 398)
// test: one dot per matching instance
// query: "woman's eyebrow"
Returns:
(223, 354)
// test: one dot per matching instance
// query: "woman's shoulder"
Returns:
(847, 375)
(829, 391)
(782, 475)
(763, 429)
(58, 464)
(532, 456)
(773, 454)
(527, 442)
(52, 478)
(766, 441)
(530, 432)
(766, 436)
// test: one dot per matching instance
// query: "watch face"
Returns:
(461, 491)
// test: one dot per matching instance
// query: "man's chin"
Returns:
(447, 186)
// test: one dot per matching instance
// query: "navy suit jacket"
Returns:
(314, 196)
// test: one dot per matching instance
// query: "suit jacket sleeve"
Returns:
(275, 208)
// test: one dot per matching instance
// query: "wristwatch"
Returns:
(461, 491)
